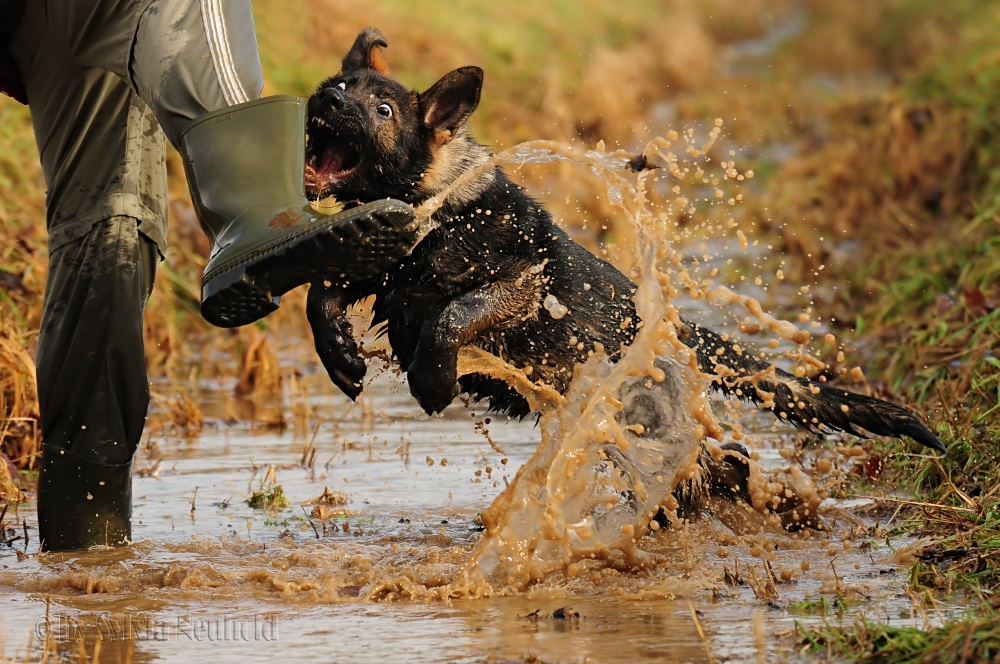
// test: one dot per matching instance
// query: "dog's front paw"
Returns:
(432, 384)
(346, 369)
(334, 340)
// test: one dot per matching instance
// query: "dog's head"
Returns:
(370, 137)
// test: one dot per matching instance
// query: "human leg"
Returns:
(195, 63)
(92, 384)
(102, 155)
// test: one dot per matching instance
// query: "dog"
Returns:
(499, 274)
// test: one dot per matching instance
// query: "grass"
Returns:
(268, 494)
(269, 498)
(22, 274)
(888, 113)
(914, 179)
(920, 302)
(577, 63)
(823, 606)
(973, 638)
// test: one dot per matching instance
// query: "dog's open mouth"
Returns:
(329, 159)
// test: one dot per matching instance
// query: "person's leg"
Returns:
(195, 64)
(102, 155)
(92, 384)
(87, 64)
(91, 336)
(101, 149)
(193, 57)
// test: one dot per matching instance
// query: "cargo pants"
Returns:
(105, 81)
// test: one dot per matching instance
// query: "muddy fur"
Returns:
(482, 277)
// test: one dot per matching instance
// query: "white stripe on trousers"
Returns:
(222, 58)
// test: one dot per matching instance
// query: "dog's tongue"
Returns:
(322, 170)
(331, 162)
(325, 168)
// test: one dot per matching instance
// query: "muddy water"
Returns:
(231, 582)
(279, 588)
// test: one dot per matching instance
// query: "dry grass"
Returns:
(259, 372)
(22, 276)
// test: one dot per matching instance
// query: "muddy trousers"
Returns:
(92, 382)
(107, 81)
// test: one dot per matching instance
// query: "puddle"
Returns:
(203, 585)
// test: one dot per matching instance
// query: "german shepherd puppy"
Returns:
(497, 272)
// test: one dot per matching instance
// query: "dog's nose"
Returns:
(334, 96)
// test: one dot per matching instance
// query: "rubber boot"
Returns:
(82, 503)
(245, 167)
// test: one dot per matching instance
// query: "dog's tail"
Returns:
(802, 402)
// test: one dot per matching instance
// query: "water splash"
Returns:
(625, 433)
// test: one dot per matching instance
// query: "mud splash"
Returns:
(571, 526)
(597, 480)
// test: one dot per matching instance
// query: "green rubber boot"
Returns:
(245, 167)
(82, 503)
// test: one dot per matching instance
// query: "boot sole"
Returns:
(374, 239)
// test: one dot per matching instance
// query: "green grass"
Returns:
(268, 498)
(931, 318)
(972, 638)
(922, 305)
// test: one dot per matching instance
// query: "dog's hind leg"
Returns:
(433, 374)
(724, 477)
(727, 477)
(802, 402)
(326, 309)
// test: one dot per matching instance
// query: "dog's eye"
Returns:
(384, 110)
(342, 86)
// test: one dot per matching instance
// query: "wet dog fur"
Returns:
(481, 277)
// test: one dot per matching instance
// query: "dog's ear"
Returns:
(450, 101)
(367, 53)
